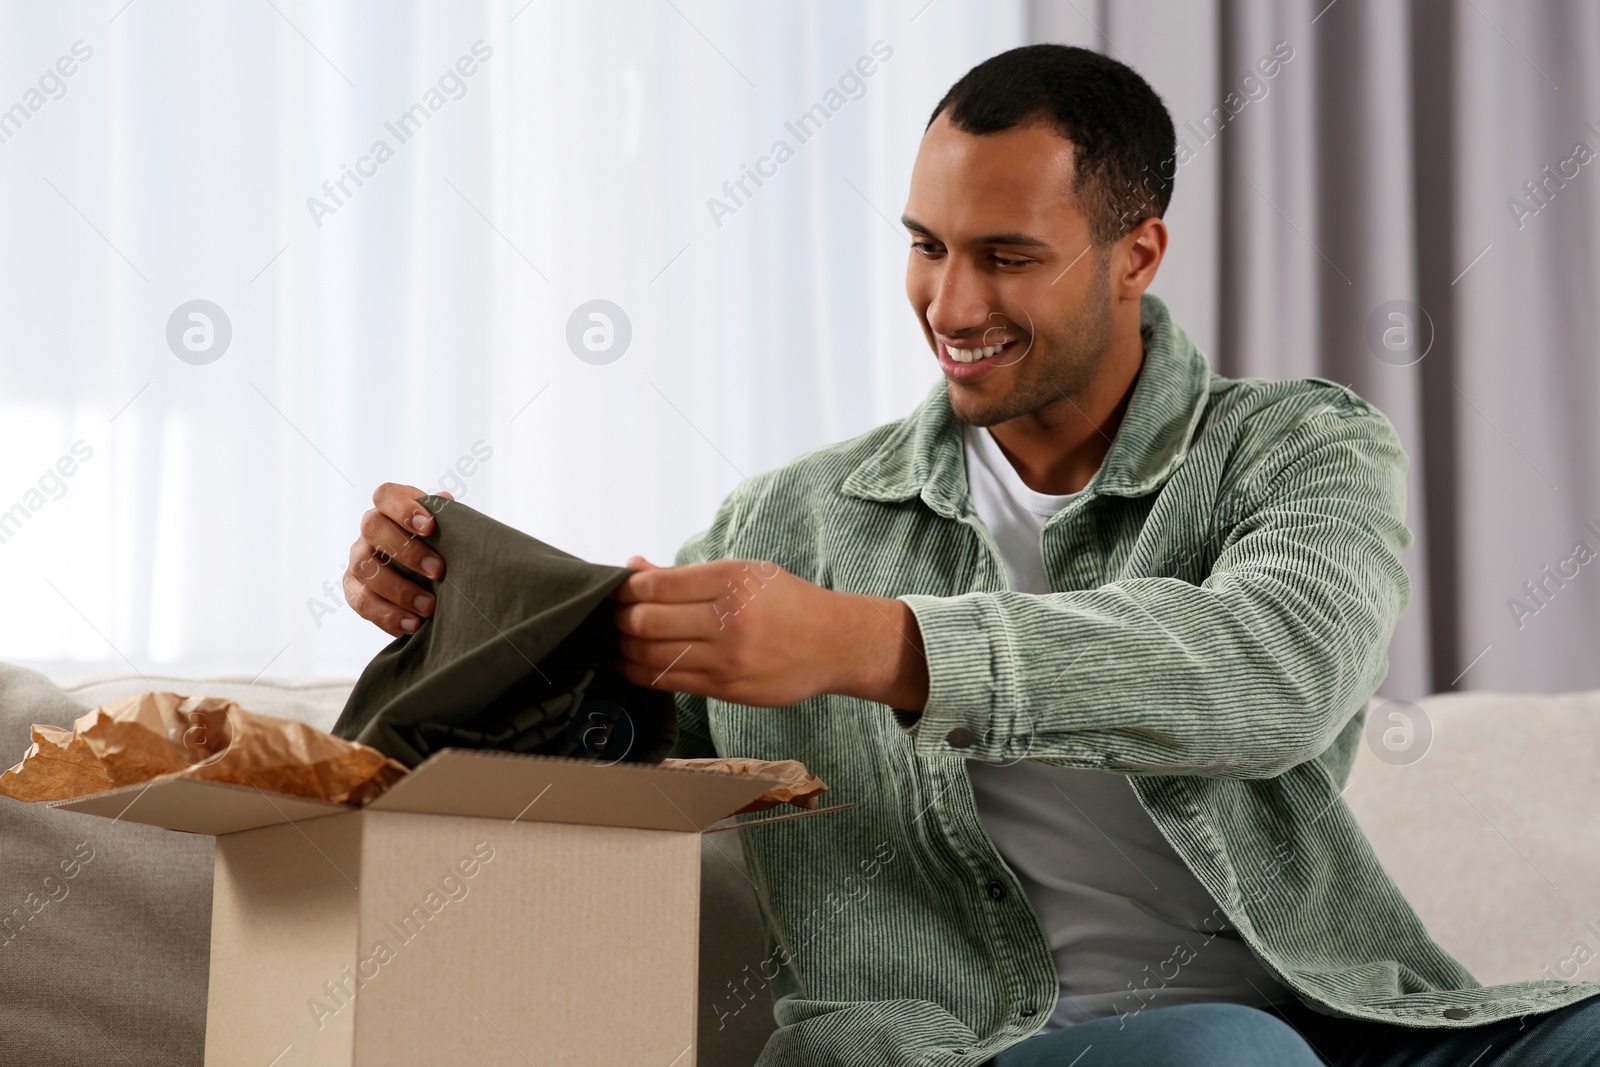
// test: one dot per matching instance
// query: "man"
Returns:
(1088, 640)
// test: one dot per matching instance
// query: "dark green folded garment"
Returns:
(518, 655)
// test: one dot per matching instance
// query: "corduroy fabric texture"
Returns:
(518, 655)
(1225, 589)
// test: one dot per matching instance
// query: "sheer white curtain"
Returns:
(191, 516)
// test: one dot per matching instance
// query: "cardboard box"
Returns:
(490, 908)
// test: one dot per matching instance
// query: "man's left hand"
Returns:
(749, 632)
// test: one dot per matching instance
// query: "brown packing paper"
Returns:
(133, 740)
(800, 787)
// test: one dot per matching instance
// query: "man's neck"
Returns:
(1057, 449)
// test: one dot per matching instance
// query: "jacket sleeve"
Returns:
(694, 729)
(1247, 674)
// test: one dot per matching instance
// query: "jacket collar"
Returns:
(923, 455)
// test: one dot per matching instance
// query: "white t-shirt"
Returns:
(1127, 921)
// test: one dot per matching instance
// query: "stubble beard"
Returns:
(1063, 368)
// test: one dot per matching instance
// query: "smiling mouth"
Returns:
(975, 354)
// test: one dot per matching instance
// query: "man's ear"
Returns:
(1143, 249)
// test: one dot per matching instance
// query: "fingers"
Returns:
(391, 533)
(697, 581)
(695, 621)
(673, 679)
(656, 654)
(365, 570)
(663, 665)
(389, 584)
(635, 563)
(380, 532)
(399, 504)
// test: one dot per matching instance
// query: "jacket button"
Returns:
(1028, 1013)
(997, 891)
(961, 737)
(1457, 1013)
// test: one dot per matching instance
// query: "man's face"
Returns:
(1001, 261)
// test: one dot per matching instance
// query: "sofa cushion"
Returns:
(735, 1005)
(1493, 835)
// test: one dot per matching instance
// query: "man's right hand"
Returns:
(393, 531)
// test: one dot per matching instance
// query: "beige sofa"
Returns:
(1494, 835)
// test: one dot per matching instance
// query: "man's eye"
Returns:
(926, 248)
(1004, 262)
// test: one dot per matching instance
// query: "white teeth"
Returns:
(972, 355)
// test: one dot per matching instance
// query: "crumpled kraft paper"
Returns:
(800, 787)
(137, 738)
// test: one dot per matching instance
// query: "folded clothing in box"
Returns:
(517, 656)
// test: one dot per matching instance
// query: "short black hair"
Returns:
(1125, 149)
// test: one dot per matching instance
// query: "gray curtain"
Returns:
(1409, 205)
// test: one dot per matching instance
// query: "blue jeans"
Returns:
(1232, 1035)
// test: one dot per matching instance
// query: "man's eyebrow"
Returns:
(1014, 239)
(1023, 240)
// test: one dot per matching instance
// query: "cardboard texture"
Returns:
(490, 908)
(198, 807)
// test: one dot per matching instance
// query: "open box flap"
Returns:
(197, 806)
(507, 785)
(487, 784)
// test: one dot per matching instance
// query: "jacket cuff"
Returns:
(970, 677)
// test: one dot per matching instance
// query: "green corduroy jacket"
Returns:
(1224, 593)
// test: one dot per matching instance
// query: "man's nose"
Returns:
(962, 301)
